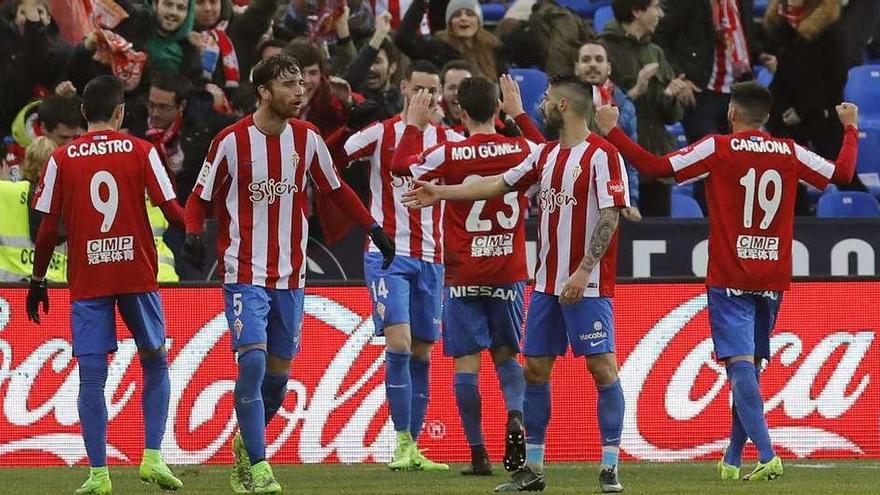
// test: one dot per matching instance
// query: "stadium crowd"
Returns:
(186, 67)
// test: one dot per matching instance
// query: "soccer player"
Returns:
(751, 185)
(255, 176)
(484, 247)
(97, 183)
(406, 295)
(581, 186)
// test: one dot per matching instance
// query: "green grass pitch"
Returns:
(801, 478)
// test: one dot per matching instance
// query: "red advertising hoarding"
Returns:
(821, 387)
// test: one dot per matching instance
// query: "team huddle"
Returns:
(446, 246)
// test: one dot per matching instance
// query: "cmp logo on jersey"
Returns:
(270, 189)
(110, 249)
(550, 199)
(757, 247)
(492, 245)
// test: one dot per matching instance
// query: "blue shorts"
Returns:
(550, 327)
(409, 291)
(257, 315)
(742, 321)
(479, 317)
(93, 322)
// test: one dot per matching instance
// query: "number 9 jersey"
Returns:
(483, 241)
(751, 187)
(97, 183)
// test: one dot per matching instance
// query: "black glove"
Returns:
(37, 294)
(194, 251)
(385, 245)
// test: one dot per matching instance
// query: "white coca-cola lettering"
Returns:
(795, 397)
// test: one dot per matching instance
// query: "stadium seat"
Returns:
(863, 89)
(763, 76)
(677, 132)
(601, 17)
(843, 204)
(685, 207)
(532, 85)
(584, 8)
(684, 189)
(493, 12)
(760, 6)
(868, 164)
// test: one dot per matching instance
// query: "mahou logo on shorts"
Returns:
(820, 388)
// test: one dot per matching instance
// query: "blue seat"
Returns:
(684, 207)
(763, 76)
(684, 189)
(844, 204)
(863, 89)
(677, 132)
(584, 8)
(532, 85)
(760, 6)
(601, 17)
(493, 12)
(868, 164)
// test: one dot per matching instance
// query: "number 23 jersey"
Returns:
(751, 187)
(97, 184)
(483, 241)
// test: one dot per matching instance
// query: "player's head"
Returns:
(567, 99)
(167, 98)
(421, 74)
(103, 101)
(592, 64)
(279, 85)
(453, 73)
(36, 156)
(60, 118)
(384, 68)
(749, 105)
(478, 97)
(646, 14)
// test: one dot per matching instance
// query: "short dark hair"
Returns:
(273, 67)
(577, 91)
(459, 64)
(307, 53)
(101, 97)
(173, 82)
(623, 9)
(478, 96)
(267, 43)
(753, 100)
(420, 66)
(56, 109)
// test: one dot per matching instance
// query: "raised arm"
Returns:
(845, 165)
(511, 104)
(643, 160)
(426, 194)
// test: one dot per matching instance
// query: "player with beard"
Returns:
(581, 185)
(256, 170)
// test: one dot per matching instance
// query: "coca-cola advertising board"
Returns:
(821, 386)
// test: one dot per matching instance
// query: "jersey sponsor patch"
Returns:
(503, 293)
(757, 247)
(492, 245)
(110, 249)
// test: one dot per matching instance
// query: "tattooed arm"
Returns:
(573, 290)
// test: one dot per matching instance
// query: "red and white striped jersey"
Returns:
(398, 9)
(751, 187)
(260, 182)
(573, 184)
(416, 233)
(731, 49)
(97, 184)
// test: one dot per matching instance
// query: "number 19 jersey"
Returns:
(751, 187)
(97, 185)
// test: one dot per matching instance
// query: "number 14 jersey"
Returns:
(97, 185)
(751, 187)
(483, 241)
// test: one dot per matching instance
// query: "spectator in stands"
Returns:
(162, 28)
(373, 73)
(32, 56)
(592, 66)
(269, 47)
(56, 117)
(36, 158)
(227, 39)
(860, 23)
(641, 69)
(328, 99)
(463, 38)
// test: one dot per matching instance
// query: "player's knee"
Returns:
(421, 349)
(276, 365)
(152, 354)
(603, 367)
(502, 354)
(536, 373)
(398, 339)
(468, 364)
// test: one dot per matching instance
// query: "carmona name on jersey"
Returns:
(760, 146)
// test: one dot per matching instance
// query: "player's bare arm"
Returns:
(574, 288)
(425, 194)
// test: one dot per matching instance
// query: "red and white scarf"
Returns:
(603, 94)
(792, 15)
(731, 49)
(161, 138)
(219, 46)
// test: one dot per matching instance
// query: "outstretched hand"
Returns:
(422, 195)
(511, 97)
